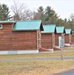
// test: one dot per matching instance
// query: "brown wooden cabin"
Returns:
(48, 36)
(72, 38)
(20, 37)
(59, 33)
(68, 36)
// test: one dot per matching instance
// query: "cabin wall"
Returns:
(72, 39)
(17, 40)
(24, 40)
(57, 39)
(6, 36)
(68, 38)
(46, 40)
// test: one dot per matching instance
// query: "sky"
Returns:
(63, 8)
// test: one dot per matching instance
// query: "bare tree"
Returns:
(21, 12)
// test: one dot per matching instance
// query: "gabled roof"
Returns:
(60, 29)
(67, 31)
(28, 25)
(50, 28)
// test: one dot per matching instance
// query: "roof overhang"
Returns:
(60, 29)
(3, 22)
(70, 31)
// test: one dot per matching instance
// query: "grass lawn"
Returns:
(44, 67)
(37, 67)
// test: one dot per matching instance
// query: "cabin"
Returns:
(72, 38)
(48, 36)
(20, 37)
(5, 36)
(60, 30)
(68, 36)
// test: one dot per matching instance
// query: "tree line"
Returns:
(47, 15)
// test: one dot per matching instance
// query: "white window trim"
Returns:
(1, 27)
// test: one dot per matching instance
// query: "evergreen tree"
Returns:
(4, 12)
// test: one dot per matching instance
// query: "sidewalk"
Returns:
(24, 59)
(71, 72)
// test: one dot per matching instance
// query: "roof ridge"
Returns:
(59, 26)
(67, 28)
(28, 20)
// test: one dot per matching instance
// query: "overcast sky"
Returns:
(63, 7)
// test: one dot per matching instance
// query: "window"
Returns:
(1, 26)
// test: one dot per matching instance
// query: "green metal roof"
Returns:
(49, 28)
(67, 31)
(7, 21)
(27, 25)
(60, 29)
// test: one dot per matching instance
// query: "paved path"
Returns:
(71, 72)
(23, 59)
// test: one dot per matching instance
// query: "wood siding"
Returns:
(5, 36)
(46, 40)
(68, 38)
(72, 39)
(17, 40)
(24, 40)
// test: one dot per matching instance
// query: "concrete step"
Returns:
(67, 45)
(57, 48)
(45, 50)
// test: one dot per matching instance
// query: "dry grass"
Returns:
(69, 48)
(36, 67)
(45, 67)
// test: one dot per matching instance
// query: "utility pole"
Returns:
(61, 54)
